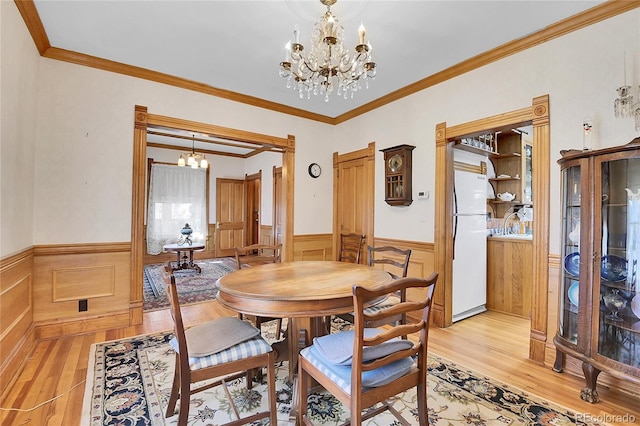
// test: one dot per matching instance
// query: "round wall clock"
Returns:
(314, 170)
(395, 163)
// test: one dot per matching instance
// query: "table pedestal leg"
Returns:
(191, 264)
(177, 262)
(301, 332)
(185, 262)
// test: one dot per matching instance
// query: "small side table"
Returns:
(183, 261)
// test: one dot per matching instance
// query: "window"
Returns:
(177, 195)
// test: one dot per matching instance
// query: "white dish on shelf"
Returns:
(573, 293)
(635, 305)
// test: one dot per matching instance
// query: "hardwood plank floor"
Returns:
(491, 344)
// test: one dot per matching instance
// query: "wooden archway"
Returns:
(142, 121)
(537, 115)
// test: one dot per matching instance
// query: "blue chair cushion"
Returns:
(341, 375)
(337, 348)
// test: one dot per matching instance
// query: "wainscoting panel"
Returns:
(17, 337)
(266, 234)
(313, 247)
(71, 283)
(65, 274)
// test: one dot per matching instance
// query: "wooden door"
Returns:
(278, 205)
(353, 195)
(253, 213)
(230, 215)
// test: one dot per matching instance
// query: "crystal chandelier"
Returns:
(624, 105)
(192, 159)
(328, 63)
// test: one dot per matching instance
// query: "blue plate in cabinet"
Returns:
(573, 293)
(572, 264)
(613, 268)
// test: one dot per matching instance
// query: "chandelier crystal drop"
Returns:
(625, 106)
(193, 159)
(329, 63)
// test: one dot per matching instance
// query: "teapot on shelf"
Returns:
(506, 196)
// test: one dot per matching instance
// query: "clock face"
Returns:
(395, 163)
(314, 170)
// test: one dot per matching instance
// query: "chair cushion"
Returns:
(252, 347)
(382, 305)
(341, 375)
(218, 335)
(337, 348)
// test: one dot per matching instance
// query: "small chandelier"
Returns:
(624, 105)
(328, 63)
(192, 159)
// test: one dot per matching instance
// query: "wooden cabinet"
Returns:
(397, 175)
(509, 275)
(599, 306)
(513, 173)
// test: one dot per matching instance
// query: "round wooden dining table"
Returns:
(305, 292)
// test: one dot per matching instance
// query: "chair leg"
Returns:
(303, 385)
(185, 398)
(175, 388)
(356, 412)
(423, 415)
(271, 383)
(279, 328)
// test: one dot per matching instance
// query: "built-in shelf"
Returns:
(473, 149)
(507, 155)
(500, 179)
(495, 201)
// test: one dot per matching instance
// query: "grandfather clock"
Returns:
(397, 175)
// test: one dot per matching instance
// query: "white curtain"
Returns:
(177, 195)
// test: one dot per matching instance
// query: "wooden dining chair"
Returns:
(349, 251)
(396, 262)
(259, 254)
(226, 347)
(364, 367)
(350, 247)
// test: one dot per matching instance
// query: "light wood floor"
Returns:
(491, 344)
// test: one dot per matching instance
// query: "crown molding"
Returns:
(588, 17)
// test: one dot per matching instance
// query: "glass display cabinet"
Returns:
(599, 306)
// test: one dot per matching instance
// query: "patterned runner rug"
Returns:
(193, 287)
(129, 381)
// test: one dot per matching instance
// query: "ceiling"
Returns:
(236, 46)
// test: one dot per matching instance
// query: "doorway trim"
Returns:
(142, 120)
(538, 115)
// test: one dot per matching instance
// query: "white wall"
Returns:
(84, 147)
(84, 132)
(19, 61)
(579, 71)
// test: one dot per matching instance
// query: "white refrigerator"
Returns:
(470, 244)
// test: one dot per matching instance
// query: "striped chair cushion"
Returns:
(246, 349)
(341, 375)
(228, 331)
(385, 304)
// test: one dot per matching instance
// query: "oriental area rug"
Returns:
(129, 382)
(193, 287)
